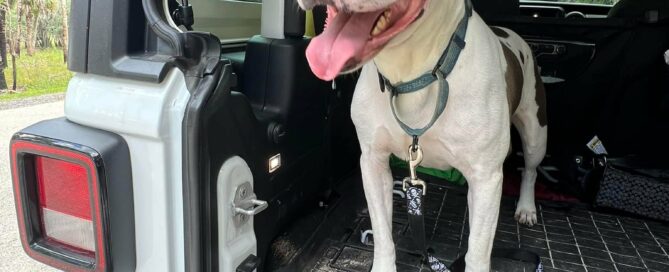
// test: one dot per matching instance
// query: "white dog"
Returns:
(494, 83)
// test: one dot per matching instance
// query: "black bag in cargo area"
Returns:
(631, 187)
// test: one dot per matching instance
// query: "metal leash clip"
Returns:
(414, 149)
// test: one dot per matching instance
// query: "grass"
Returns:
(39, 74)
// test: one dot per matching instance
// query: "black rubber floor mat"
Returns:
(568, 238)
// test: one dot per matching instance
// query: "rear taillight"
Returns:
(65, 203)
(59, 205)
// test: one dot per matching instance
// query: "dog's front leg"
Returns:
(485, 191)
(378, 184)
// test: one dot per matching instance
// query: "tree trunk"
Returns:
(3, 49)
(19, 36)
(30, 31)
(66, 34)
(14, 72)
(33, 38)
(3, 40)
(3, 81)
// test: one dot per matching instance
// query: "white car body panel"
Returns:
(149, 117)
(235, 243)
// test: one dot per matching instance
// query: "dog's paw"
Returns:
(384, 268)
(384, 264)
(526, 214)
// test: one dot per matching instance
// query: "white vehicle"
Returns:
(218, 150)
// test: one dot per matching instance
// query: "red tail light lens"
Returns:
(57, 192)
(73, 191)
(65, 202)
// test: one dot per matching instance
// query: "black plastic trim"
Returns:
(156, 22)
(121, 45)
(293, 20)
(130, 40)
(195, 255)
(77, 58)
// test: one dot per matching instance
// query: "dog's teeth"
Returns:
(382, 23)
(378, 28)
(376, 31)
(386, 14)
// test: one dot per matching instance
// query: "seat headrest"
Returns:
(320, 14)
(293, 20)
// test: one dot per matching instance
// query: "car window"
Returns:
(229, 20)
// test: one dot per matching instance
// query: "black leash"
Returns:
(515, 254)
(414, 196)
(416, 189)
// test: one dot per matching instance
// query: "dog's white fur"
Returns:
(472, 135)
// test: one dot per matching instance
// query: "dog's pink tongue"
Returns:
(343, 40)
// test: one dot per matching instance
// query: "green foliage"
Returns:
(13, 24)
(50, 30)
(43, 73)
(41, 22)
(9, 3)
(49, 20)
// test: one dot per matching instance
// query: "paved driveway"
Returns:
(12, 256)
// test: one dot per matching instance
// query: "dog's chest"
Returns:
(436, 154)
(377, 127)
(474, 116)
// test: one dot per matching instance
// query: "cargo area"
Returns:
(606, 78)
(569, 236)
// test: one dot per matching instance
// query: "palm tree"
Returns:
(31, 13)
(4, 6)
(19, 22)
(14, 34)
(16, 38)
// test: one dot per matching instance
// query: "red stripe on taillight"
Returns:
(56, 196)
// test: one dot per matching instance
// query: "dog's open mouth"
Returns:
(350, 39)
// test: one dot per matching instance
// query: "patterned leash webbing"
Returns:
(417, 226)
(515, 254)
(414, 196)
